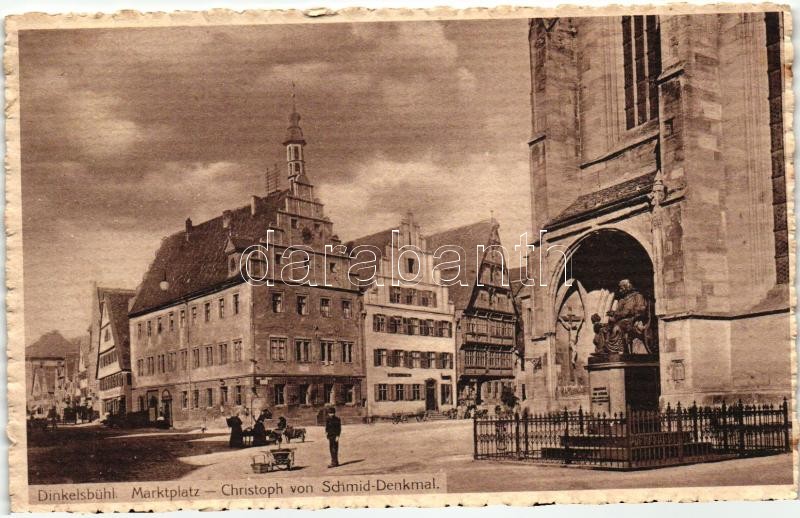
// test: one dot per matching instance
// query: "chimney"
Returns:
(253, 205)
(226, 218)
(188, 228)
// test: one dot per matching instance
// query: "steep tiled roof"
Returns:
(118, 315)
(467, 237)
(199, 263)
(379, 240)
(51, 345)
(606, 197)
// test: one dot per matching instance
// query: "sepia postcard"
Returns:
(284, 259)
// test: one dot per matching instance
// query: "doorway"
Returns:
(430, 395)
(166, 402)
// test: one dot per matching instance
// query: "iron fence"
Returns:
(637, 439)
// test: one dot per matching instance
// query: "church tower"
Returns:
(299, 185)
(294, 143)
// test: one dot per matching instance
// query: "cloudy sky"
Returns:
(127, 132)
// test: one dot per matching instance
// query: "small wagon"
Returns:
(277, 458)
(283, 457)
(294, 433)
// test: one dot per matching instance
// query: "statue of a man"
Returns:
(631, 310)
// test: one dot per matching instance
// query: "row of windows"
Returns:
(327, 352)
(208, 399)
(115, 380)
(201, 356)
(167, 324)
(412, 359)
(308, 394)
(491, 297)
(302, 305)
(478, 326)
(412, 297)
(282, 394)
(108, 358)
(410, 392)
(411, 326)
(488, 359)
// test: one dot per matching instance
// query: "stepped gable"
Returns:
(194, 259)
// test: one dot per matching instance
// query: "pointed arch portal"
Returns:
(595, 266)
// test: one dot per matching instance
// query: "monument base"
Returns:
(619, 381)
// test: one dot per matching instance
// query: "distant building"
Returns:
(408, 336)
(91, 342)
(657, 156)
(205, 344)
(51, 375)
(113, 364)
(486, 318)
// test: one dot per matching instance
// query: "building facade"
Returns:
(657, 156)
(408, 336)
(51, 376)
(113, 363)
(486, 317)
(206, 344)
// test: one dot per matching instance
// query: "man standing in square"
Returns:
(333, 429)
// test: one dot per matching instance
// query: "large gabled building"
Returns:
(206, 344)
(408, 335)
(486, 317)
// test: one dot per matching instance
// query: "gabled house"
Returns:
(113, 364)
(485, 313)
(408, 335)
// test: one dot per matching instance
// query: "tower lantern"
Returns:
(294, 143)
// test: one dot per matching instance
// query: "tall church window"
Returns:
(641, 50)
(773, 28)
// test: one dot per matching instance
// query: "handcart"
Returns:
(283, 458)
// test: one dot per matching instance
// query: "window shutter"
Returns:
(392, 393)
(377, 396)
(269, 398)
(407, 392)
(315, 396)
(339, 394)
(291, 394)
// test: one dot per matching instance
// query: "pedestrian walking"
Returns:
(235, 424)
(333, 429)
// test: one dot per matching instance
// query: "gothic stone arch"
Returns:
(595, 262)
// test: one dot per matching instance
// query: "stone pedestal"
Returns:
(618, 381)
